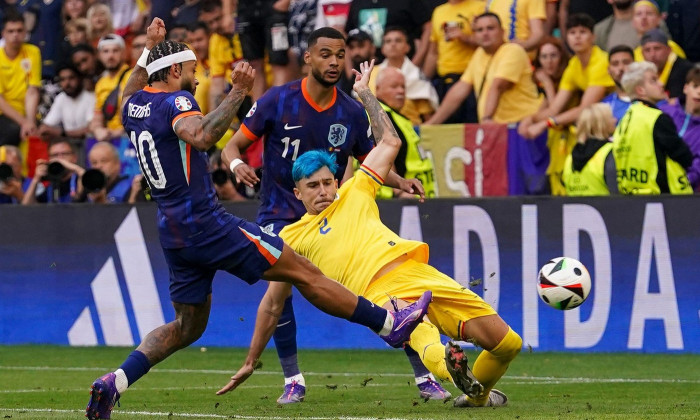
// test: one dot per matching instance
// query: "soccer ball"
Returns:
(563, 283)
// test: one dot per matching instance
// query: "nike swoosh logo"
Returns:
(412, 317)
(291, 127)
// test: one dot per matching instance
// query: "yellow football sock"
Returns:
(425, 340)
(491, 365)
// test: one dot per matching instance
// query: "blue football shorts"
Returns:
(247, 251)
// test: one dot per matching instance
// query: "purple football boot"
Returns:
(103, 396)
(407, 319)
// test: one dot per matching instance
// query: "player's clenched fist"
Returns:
(155, 33)
(243, 76)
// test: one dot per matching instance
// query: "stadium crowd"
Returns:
(538, 66)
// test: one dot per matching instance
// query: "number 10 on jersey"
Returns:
(146, 137)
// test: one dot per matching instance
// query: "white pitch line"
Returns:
(193, 415)
(516, 379)
(506, 380)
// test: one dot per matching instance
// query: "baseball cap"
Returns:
(654, 35)
(358, 35)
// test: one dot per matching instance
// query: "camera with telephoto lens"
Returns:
(220, 177)
(94, 180)
(55, 172)
(6, 172)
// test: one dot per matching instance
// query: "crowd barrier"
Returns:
(85, 275)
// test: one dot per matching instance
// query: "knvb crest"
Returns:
(337, 134)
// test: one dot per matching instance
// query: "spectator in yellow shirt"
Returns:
(20, 81)
(198, 40)
(452, 45)
(522, 20)
(586, 74)
(499, 73)
(224, 50)
(501, 76)
(106, 123)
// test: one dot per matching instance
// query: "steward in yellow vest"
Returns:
(650, 157)
(590, 169)
(409, 163)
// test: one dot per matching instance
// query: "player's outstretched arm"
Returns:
(139, 77)
(203, 132)
(381, 157)
(269, 311)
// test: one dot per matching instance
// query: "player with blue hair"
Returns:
(343, 235)
(311, 162)
(197, 235)
(289, 120)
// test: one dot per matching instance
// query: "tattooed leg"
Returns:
(189, 324)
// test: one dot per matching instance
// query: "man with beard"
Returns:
(617, 28)
(619, 58)
(197, 235)
(360, 49)
(106, 123)
(72, 110)
(85, 60)
(303, 115)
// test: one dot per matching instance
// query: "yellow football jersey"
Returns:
(104, 86)
(18, 73)
(347, 240)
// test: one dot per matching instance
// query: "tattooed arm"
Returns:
(381, 158)
(138, 79)
(203, 132)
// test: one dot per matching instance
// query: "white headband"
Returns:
(169, 60)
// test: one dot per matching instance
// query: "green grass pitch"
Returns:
(38, 382)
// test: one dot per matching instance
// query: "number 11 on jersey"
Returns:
(294, 143)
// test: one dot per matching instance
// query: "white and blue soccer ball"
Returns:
(563, 283)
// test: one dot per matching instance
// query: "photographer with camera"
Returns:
(62, 173)
(12, 183)
(224, 182)
(103, 183)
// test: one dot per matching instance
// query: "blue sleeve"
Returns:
(259, 118)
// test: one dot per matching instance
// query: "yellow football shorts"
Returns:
(452, 303)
